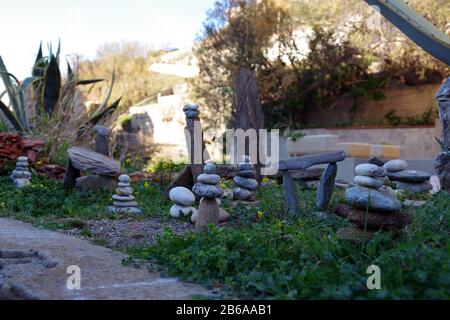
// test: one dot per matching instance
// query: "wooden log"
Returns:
(197, 151)
(375, 221)
(87, 160)
(301, 163)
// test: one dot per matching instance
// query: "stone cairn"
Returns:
(411, 180)
(208, 190)
(372, 195)
(183, 199)
(245, 181)
(124, 201)
(21, 175)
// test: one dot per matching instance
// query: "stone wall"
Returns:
(416, 142)
(408, 101)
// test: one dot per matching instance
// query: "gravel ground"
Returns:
(120, 234)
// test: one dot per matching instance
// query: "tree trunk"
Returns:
(442, 161)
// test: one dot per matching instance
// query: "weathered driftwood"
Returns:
(326, 187)
(290, 193)
(301, 163)
(375, 221)
(442, 160)
(197, 151)
(249, 113)
(93, 162)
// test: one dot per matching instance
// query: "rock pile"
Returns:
(183, 199)
(245, 181)
(371, 195)
(21, 175)
(191, 111)
(208, 190)
(124, 200)
(411, 180)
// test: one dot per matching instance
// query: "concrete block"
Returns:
(357, 150)
(312, 145)
(387, 152)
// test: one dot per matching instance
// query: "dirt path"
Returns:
(34, 263)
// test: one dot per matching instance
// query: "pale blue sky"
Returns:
(83, 25)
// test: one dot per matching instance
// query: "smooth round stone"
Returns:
(223, 215)
(123, 198)
(207, 191)
(177, 211)
(20, 183)
(124, 191)
(370, 170)
(249, 184)
(395, 165)
(125, 204)
(411, 176)
(368, 182)
(209, 167)
(124, 178)
(18, 174)
(387, 181)
(22, 158)
(414, 187)
(182, 196)
(191, 107)
(247, 174)
(208, 178)
(242, 194)
(23, 164)
(243, 166)
(376, 162)
(192, 114)
(381, 200)
(123, 184)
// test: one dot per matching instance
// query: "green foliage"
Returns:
(303, 258)
(426, 118)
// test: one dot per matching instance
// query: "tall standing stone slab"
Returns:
(326, 187)
(442, 160)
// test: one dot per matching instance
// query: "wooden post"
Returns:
(442, 160)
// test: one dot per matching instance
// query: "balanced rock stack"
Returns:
(183, 199)
(208, 190)
(411, 180)
(245, 181)
(372, 195)
(124, 200)
(21, 175)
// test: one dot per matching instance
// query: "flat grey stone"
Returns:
(22, 182)
(326, 187)
(246, 166)
(182, 196)
(246, 183)
(125, 204)
(414, 187)
(381, 200)
(124, 191)
(123, 198)
(242, 194)
(368, 182)
(370, 170)
(395, 165)
(22, 158)
(123, 184)
(208, 178)
(23, 164)
(247, 174)
(207, 191)
(124, 178)
(124, 210)
(412, 176)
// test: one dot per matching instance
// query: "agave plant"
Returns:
(51, 97)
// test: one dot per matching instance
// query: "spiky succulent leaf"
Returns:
(52, 86)
(11, 117)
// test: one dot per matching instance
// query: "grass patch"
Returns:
(283, 257)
